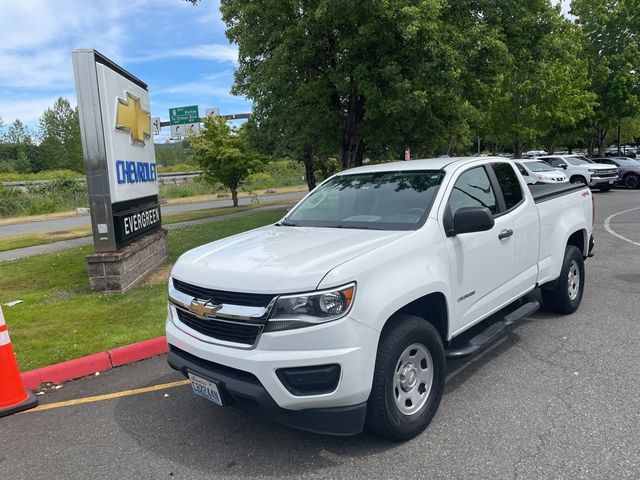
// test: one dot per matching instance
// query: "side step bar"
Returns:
(493, 331)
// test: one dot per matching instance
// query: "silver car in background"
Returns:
(537, 171)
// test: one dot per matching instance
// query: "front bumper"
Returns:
(344, 342)
(603, 181)
(243, 390)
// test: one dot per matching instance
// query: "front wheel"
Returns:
(579, 179)
(565, 294)
(605, 189)
(632, 181)
(408, 379)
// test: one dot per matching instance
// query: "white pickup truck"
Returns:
(344, 313)
(580, 169)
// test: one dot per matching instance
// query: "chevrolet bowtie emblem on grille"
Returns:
(204, 308)
(131, 118)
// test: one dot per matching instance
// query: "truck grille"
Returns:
(219, 296)
(225, 331)
(606, 173)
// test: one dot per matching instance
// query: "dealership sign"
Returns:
(119, 154)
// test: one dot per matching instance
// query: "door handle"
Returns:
(505, 234)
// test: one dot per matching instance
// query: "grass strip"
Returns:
(62, 319)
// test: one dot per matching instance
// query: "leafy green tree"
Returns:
(344, 77)
(224, 154)
(60, 141)
(18, 149)
(611, 49)
(540, 91)
(17, 134)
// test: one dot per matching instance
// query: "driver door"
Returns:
(482, 264)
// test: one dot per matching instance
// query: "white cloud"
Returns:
(29, 110)
(213, 51)
(217, 84)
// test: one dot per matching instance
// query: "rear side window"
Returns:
(473, 189)
(555, 162)
(509, 184)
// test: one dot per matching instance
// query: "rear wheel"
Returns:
(565, 294)
(408, 380)
(632, 181)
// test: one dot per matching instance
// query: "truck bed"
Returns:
(546, 191)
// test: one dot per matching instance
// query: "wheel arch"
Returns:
(431, 308)
(582, 178)
(579, 239)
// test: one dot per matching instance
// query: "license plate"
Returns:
(205, 388)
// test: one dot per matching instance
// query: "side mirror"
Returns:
(471, 219)
(563, 166)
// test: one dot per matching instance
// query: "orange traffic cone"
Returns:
(13, 396)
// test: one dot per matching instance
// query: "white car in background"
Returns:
(580, 169)
(537, 171)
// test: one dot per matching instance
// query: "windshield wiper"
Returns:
(284, 223)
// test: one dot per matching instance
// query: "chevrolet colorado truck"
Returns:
(343, 314)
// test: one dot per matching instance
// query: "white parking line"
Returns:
(608, 228)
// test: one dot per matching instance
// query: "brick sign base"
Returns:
(125, 268)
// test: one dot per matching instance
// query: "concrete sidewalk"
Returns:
(79, 221)
(78, 242)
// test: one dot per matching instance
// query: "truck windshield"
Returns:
(539, 166)
(398, 200)
(578, 160)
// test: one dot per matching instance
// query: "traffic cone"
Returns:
(13, 396)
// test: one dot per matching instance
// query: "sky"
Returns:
(178, 49)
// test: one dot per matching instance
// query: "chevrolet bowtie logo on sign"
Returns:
(131, 118)
(204, 308)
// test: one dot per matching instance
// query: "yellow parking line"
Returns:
(108, 396)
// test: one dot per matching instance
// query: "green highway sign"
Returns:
(183, 115)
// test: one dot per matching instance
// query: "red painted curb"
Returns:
(98, 362)
(138, 351)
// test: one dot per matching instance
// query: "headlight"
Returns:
(305, 309)
(592, 171)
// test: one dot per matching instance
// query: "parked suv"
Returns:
(628, 170)
(537, 171)
(580, 169)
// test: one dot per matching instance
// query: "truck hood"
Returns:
(276, 259)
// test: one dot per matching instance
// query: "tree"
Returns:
(344, 77)
(18, 149)
(540, 91)
(224, 154)
(17, 134)
(60, 141)
(611, 50)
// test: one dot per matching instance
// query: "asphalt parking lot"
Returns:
(559, 397)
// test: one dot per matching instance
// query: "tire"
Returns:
(565, 294)
(578, 179)
(407, 335)
(631, 180)
(605, 189)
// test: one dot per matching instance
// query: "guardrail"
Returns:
(163, 178)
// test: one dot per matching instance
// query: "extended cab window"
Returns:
(509, 184)
(473, 189)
